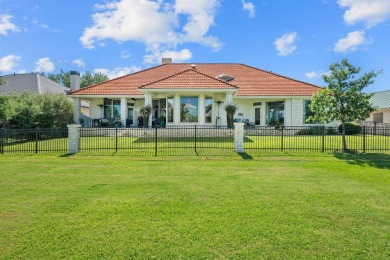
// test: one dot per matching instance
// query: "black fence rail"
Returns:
(154, 140)
(33, 140)
(317, 138)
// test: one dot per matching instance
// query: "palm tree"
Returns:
(230, 109)
(145, 111)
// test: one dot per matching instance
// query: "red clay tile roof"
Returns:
(188, 79)
(250, 81)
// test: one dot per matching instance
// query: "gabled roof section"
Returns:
(248, 80)
(188, 79)
(381, 99)
(32, 83)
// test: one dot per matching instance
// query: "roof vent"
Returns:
(193, 66)
(225, 77)
(166, 60)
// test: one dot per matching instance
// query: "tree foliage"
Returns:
(342, 99)
(35, 111)
(2, 81)
(86, 79)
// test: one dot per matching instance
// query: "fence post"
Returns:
(239, 137)
(364, 139)
(116, 139)
(74, 138)
(2, 135)
(281, 139)
(156, 143)
(323, 139)
(195, 138)
(36, 140)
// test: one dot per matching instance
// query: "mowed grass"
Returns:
(280, 205)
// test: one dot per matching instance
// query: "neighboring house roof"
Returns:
(188, 79)
(381, 99)
(248, 80)
(31, 83)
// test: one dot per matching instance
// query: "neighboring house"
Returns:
(380, 100)
(188, 94)
(35, 83)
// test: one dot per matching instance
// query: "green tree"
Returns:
(230, 111)
(91, 78)
(86, 79)
(342, 99)
(2, 81)
(38, 111)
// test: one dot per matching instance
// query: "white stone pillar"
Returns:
(239, 137)
(148, 99)
(74, 138)
(123, 111)
(263, 112)
(201, 110)
(176, 113)
(77, 110)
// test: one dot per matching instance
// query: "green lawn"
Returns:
(280, 205)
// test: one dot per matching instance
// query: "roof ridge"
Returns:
(184, 71)
(380, 91)
(137, 72)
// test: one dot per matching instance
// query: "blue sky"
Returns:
(297, 39)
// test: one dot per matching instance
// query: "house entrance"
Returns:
(257, 115)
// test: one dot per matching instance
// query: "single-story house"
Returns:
(188, 94)
(380, 100)
(34, 83)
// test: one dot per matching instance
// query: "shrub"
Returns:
(351, 129)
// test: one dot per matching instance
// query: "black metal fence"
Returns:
(192, 140)
(33, 140)
(317, 138)
(154, 140)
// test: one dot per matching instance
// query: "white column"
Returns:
(239, 137)
(148, 99)
(77, 110)
(201, 110)
(263, 113)
(229, 98)
(123, 111)
(74, 138)
(176, 113)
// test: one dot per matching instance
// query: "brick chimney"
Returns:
(166, 60)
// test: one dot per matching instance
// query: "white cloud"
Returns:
(177, 56)
(370, 12)
(6, 24)
(316, 74)
(250, 7)
(44, 65)
(79, 63)
(117, 72)
(351, 42)
(285, 45)
(9, 62)
(43, 25)
(157, 24)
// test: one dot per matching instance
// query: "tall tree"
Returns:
(87, 79)
(342, 99)
(2, 81)
(91, 78)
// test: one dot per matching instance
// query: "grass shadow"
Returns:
(67, 155)
(377, 160)
(245, 156)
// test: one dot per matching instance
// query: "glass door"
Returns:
(257, 115)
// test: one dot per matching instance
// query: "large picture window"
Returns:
(275, 113)
(170, 109)
(189, 109)
(112, 108)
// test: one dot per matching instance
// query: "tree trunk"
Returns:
(343, 137)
